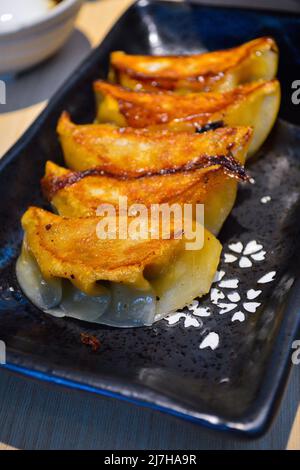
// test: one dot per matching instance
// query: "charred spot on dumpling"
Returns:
(208, 127)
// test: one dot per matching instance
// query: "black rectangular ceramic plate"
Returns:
(237, 385)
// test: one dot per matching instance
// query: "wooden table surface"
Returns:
(36, 416)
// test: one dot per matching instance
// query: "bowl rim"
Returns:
(57, 11)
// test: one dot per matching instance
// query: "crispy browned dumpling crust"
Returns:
(157, 160)
(125, 107)
(70, 248)
(93, 187)
(131, 152)
(200, 72)
(57, 244)
(78, 194)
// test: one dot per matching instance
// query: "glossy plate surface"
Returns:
(226, 366)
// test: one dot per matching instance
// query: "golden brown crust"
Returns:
(144, 109)
(53, 183)
(81, 193)
(194, 71)
(131, 152)
(71, 249)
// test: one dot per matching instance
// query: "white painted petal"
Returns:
(225, 380)
(190, 321)
(216, 295)
(252, 294)
(210, 341)
(245, 262)
(193, 305)
(236, 247)
(228, 258)
(252, 247)
(265, 199)
(202, 312)
(260, 256)
(175, 317)
(229, 284)
(269, 277)
(218, 276)
(251, 306)
(234, 297)
(238, 316)
(225, 308)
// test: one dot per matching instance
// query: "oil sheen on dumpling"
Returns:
(253, 104)
(80, 194)
(128, 152)
(212, 71)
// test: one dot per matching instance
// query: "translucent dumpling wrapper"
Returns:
(80, 194)
(134, 152)
(213, 71)
(66, 269)
(254, 104)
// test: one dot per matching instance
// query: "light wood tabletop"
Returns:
(36, 416)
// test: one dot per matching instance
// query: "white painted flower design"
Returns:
(245, 255)
(249, 305)
(225, 295)
(231, 301)
(220, 282)
(190, 318)
(239, 307)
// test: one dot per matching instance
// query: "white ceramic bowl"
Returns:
(23, 46)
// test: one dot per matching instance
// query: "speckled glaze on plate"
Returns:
(223, 362)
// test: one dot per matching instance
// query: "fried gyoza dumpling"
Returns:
(66, 269)
(212, 71)
(254, 104)
(79, 194)
(132, 152)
